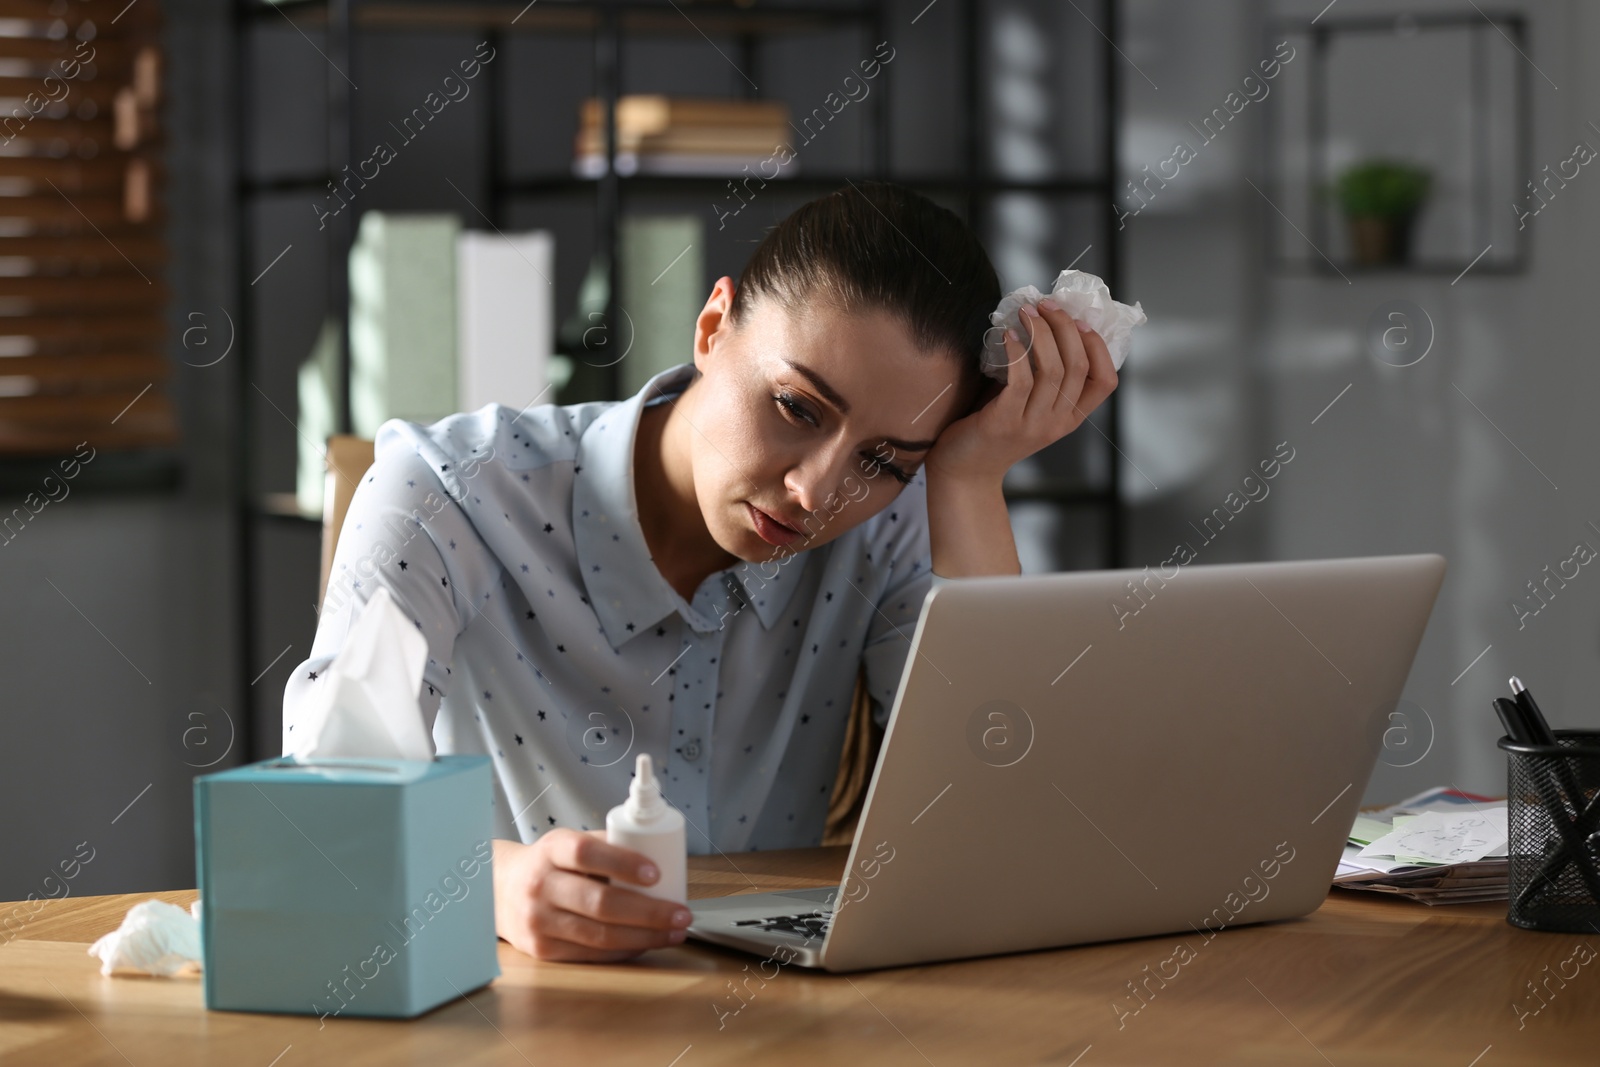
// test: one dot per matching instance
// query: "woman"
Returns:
(781, 505)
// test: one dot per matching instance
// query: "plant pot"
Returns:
(1381, 240)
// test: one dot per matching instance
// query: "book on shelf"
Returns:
(628, 163)
(648, 113)
(659, 134)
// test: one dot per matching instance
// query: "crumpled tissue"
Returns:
(155, 938)
(1081, 295)
(366, 706)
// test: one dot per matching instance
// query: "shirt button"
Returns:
(691, 751)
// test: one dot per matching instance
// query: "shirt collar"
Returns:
(626, 590)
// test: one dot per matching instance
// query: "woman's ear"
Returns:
(713, 324)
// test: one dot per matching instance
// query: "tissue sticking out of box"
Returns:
(1081, 295)
(155, 938)
(365, 703)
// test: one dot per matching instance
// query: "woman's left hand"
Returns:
(1058, 374)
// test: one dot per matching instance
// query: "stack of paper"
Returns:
(1440, 847)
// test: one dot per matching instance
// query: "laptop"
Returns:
(1085, 757)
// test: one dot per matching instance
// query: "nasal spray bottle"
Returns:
(647, 823)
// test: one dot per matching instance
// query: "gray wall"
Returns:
(1242, 354)
(1405, 462)
(119, 640)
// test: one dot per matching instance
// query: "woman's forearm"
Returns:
(969, 529)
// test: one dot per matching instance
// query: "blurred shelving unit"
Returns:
(336, 27)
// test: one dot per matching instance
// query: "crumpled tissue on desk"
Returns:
(155, 938)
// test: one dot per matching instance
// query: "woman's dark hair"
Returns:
(880, 246)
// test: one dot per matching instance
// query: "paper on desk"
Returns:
(1492, 811)
(1439, 798)
(1443, 837)
(366, 702)
(1353, 864)
(1365, 831)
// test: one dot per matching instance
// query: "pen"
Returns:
(1539, 733)
(1510, 713)
(1539, 729)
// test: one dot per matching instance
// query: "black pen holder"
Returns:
(1553, 814)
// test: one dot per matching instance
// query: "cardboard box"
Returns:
(346, 887)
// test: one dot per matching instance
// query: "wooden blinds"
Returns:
(82, 301)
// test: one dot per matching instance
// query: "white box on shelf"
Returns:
(505, 318)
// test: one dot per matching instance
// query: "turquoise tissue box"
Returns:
(346, 886)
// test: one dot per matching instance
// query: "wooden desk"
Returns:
(1363, 980)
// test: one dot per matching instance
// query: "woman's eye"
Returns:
(874, 464)
(794, 410)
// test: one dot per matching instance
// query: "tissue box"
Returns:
(346, 886)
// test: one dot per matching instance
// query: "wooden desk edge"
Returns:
(85, 919)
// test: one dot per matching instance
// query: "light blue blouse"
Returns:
(558, 649)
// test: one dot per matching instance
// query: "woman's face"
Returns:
(814, 421)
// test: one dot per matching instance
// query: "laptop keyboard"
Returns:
(807, 924)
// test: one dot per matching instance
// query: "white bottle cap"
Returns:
(645, 802)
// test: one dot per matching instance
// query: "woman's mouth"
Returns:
(770, 529)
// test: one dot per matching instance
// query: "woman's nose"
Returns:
(815, 479)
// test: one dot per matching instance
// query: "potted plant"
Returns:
(1380, 199)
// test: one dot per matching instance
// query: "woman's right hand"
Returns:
(552, 901)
